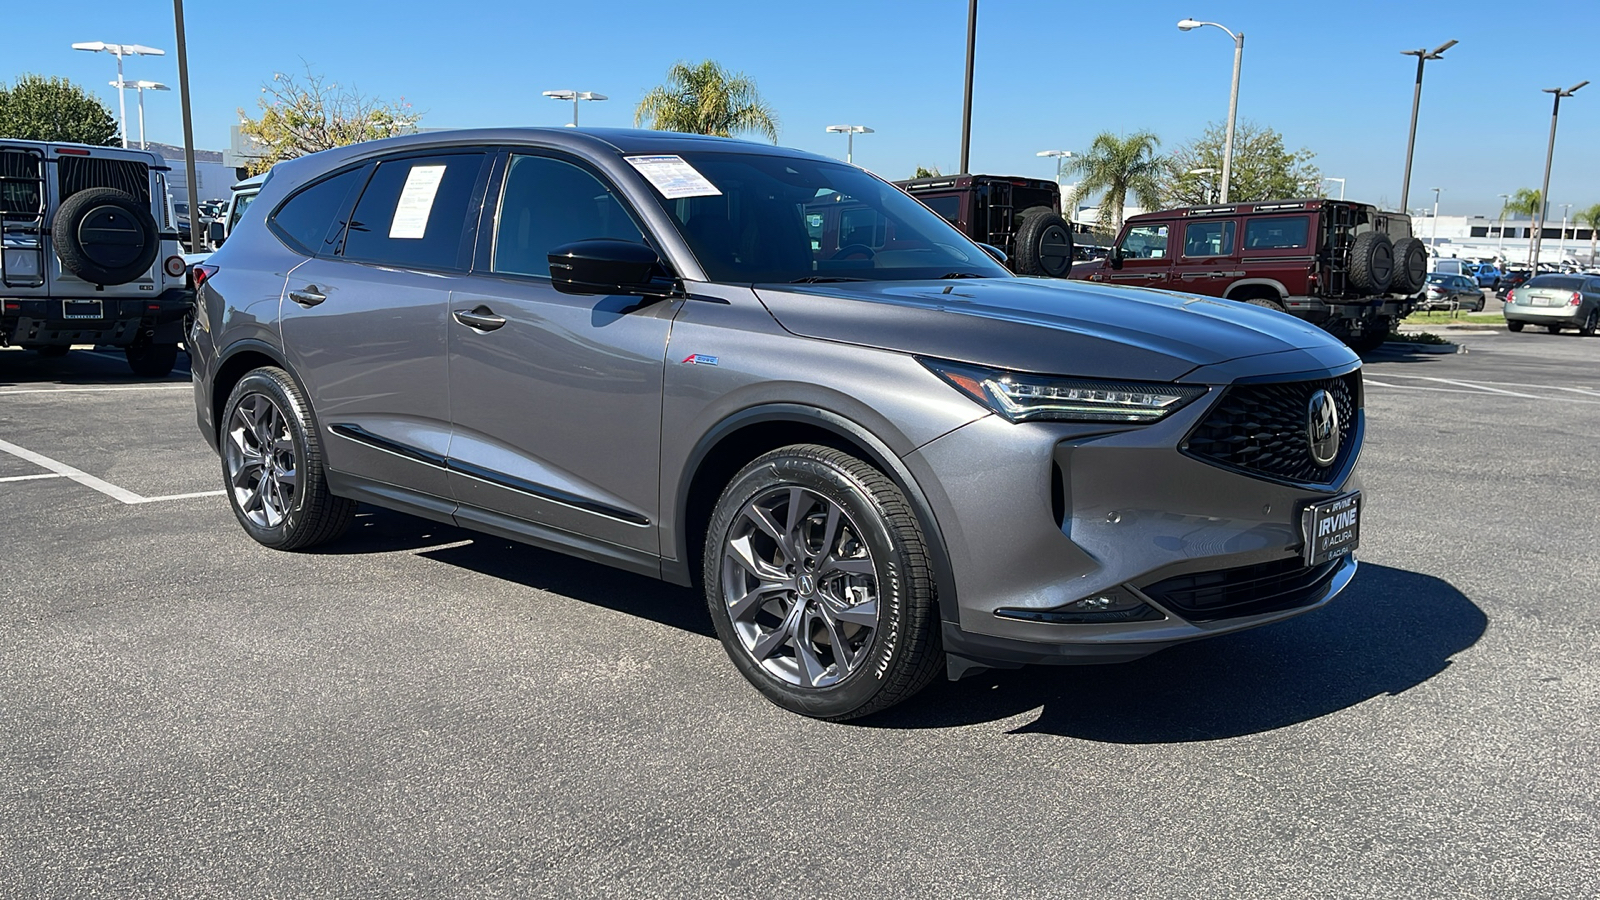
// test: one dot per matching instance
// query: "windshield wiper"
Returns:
(820, 279)
(961, 275)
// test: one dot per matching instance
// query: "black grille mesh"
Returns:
(83, 172)
(1244, 591)
(1262, 429)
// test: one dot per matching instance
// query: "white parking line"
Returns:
(1468, 387)
(99, 390)
(31, 477)
(62, 470)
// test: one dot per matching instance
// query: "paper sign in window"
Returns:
(673, 177)
(416, 202)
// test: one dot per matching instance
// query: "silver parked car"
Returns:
(879, 458)
(1444, 291)
(1556, 302)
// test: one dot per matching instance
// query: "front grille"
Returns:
(1244, 591)
(1262, 429)
(80, 173)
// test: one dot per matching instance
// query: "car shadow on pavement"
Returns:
(80, 367)
(1390, 631)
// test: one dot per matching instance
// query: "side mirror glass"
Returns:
(214, 233)
(998, 254)
(606, 266)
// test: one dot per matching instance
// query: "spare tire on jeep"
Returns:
(1043, 243)
(1371, 268)
(105, 236)
(1410, 266)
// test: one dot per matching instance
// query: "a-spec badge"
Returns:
(1322, 428)
(699, 359)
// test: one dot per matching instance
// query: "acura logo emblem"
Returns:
(1322, 428)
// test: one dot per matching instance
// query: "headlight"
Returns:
(1020, 396)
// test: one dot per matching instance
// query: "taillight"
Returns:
(1577, 299)
(202, 272)
(1511, 296)
(174, 266)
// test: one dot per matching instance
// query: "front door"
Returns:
(1146, 261)
(555, 398)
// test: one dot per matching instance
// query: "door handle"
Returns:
(308, 296)
(480, 317)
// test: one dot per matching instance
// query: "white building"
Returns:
(1479, 237)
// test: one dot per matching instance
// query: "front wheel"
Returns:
(272, 465)
(818, 582)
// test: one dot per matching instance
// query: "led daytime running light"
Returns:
(1022, 397)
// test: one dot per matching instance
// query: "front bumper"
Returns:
(1036, 516)
(43, 322)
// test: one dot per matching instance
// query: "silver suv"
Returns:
(637, 348)
(89, 253)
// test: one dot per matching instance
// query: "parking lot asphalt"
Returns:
(422, 711)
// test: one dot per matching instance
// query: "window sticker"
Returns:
(416, 202)
(673, 177)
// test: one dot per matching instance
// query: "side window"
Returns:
(948, 208)
(547, 203)
(1145, 242)
(1208, 238)
(1277, 233)
(862, 226)
(307, 219)
(414, 212)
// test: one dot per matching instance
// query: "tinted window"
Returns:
(307, 219)
(547, 203)
(1276, 233)
(1208, 238)
(1557, 282)
(1145, 242)
(413, 212)
(948, 208)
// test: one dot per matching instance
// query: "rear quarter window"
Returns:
(307, 220)
(1276, 233)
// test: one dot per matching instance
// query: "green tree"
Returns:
(707, 99)
(37, 108)
(1591, 218)
(1523, 201)
(1117, 166)
(1262, 168)
(925, 172)
(302, 115)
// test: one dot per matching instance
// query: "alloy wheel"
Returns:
(801, 587)
(262, 470)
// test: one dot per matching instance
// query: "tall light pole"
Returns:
(575, 96)
(119, 51)
(196, 233)
(1233, 99)
(1341, 185)
(1059, 155)
(1206, 170)
(850, 140)
(1561, 253)
(966, 100)
(1422, 56)
(141, 87)
(1549, 154)
(1434, 241)
(1500, 248)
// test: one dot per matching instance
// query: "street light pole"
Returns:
(141, 87)
(966, 102)
(575, 96)
(1233, 100)
(1561, 253)
(1422, 55)
(196, 233)
(1060, 155)
(1500, 249)
(1549, 155)
(1341, 185)
(119, 51)
(850, 132)
(1434, 241)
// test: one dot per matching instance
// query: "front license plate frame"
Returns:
(82, 309)
(1331, 528)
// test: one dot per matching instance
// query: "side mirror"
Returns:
(1115, 259)
(606, 266)
(998, 254)
(214, 233)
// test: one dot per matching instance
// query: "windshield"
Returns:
(783, 219)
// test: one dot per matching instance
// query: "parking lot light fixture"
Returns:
(141, 87)
(1422, 55)
(1549, 154)
(119, 51)
(1233, 98)
(850, 132)
(1060, 156)
(575, 96)
(1206, 170)
(1500, 249)
(1341, 185)
(1434, 241)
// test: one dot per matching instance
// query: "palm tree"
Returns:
(1591, 218)
(1117, 165)
(706, 99)
(1524, 201)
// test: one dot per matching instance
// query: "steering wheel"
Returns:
(849, 250)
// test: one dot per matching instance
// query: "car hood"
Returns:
(1046, 325)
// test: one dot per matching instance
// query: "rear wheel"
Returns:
(1514, 326)
(818, 582)
(1371, 338)
(1553, 329)
(1591, 324)
(1265, 303)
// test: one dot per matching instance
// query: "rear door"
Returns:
(1146, 255)
(1207, 259)
(1279, 247)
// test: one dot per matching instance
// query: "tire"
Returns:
(105, 236)
(52, 351)
(267, 407)
(1591, 324)
(1043, 243)
(1514, 326)
(1553, 329)
(1410, 266)
(1371, 338)
(1266, 303)
(1372, 267)
(149, 360)
(780, 613)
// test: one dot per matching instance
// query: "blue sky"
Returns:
(1050, 74)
